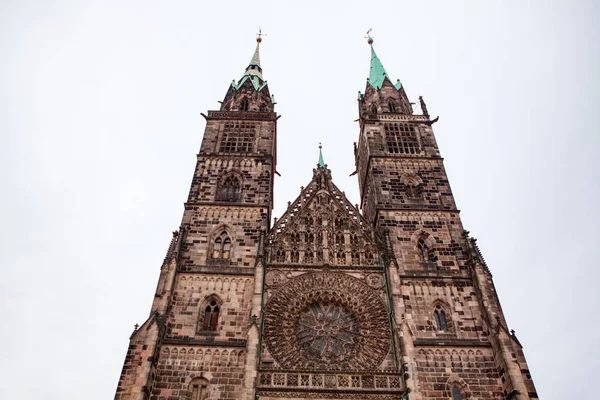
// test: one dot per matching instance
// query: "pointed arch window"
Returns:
(222, 246)
(244, 105)
(414, 191)
(392, 106)
(295, 256)
(374, 108)
(199, 389)
(230, 189)
(456, 395)
(439, 316)
(425, 253)
(211, 316)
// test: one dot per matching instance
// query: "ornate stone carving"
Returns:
(375, 281)
(275, 278)
(327, 320)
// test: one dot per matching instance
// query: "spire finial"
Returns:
(369, 37)
(259, 35)
(321, 161)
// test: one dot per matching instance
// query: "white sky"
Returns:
(100, 123)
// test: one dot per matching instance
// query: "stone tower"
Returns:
(389, 300)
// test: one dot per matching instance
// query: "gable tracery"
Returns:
(321, 226)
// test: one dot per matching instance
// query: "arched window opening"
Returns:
(244, 105)
(230, 189)
(392, 106)
(354, 239)
(425, 253)
(309, 238)
(222, 246)
(374, 108)
(355, 258)
(295, 256)
(439, 316)
(456, 395)
(339, 238)
(280, 255)
(199, 389)
(414, 191)
(211, 316)
(341, 258)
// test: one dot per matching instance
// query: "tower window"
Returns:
(244, 105)
(425, 253)
(374, 108)
(222, 246)
(439, 316)
(456, 395)
(401, 138)
(230, 189)
(414, 191)
(392, 106)
(238, 137)
(199, 389)
(211, 316)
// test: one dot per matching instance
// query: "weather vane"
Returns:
(260, 35)
(369, 37)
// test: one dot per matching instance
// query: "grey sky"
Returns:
(100, 125)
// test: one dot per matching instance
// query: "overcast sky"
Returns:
(100, 124)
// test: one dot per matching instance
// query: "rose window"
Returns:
(327, 321)
(327, 330)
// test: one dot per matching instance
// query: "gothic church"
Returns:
(389, 300)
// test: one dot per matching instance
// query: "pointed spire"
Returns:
(321, 161)
(377, 73)
(254, 66)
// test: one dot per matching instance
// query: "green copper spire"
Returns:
(253, 71)
(377, 74)
(321, 161)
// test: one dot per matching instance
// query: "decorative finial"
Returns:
(369, 37)
(260, 35)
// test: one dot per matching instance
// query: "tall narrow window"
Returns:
(211, 316)
(230, 189)
(199, 389)
(401, 138)
(392, 106)
(456, 395)
(439, 316)
(222, 246)
(295, 256)
(374, 108)
(425, 253)
(244, 105)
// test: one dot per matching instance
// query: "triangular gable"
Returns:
(322, 227)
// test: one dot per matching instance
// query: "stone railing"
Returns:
(397, 117)
(315, 381)
(242, 115)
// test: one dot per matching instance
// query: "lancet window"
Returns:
(244, 105)
(439, 316)
(229, 189)
(211, 316)
(222, 246)
(392, 106)
(426, 254)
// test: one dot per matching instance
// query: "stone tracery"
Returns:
(326, 320)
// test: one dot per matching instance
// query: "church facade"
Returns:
(391, 299)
